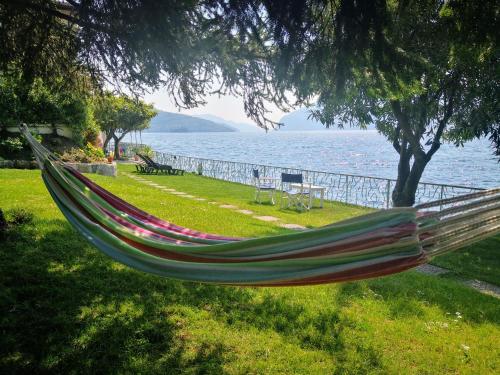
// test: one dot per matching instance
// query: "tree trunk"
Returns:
(109, 135)
(117, 144)
(117, 147)
(406, 187)
(407, 144)
(105, 144)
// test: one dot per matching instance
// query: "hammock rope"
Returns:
(377, 244)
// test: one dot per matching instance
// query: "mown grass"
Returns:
(65, 307)
(480, 261)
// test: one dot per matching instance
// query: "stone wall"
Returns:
(104, 169)
(60, 130)
(19, 164)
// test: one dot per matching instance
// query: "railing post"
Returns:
(346, 189)
(388, 194)
(441, 197)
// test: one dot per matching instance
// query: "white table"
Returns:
(311, 189)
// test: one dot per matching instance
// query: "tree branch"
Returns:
(66, 17)
(395, 141)
(407, 132)
(439, 132)
(123, 135)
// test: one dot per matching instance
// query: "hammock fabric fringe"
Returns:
(380, 243)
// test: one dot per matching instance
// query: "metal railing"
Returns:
(127, 150)
(365, 191)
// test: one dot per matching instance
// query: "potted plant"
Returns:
(135, 150)
(110, 157)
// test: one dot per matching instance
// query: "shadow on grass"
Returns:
(64, 306)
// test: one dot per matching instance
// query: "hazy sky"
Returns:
(227, 107)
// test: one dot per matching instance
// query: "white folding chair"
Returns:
(263, 185)
(295, 191)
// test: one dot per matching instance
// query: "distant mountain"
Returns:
(298, 121)
(240, 126)
(176, 123)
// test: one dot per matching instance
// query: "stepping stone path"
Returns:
(293, 226)
(199, 199)
(480, 286)
(230, 206)
(266, 218)
(484, 287)
(245, 212)
(430, 269)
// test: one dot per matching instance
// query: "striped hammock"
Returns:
(380, 243)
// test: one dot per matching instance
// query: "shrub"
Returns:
(90, 154)
(94, 152)
(12, 145)
(3, 223)
(19, 216)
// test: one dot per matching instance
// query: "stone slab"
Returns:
(229, 206)
(429, 269)
(97, 168)
(484, 287)
(245, 212)
(266, 218)
(293, 226)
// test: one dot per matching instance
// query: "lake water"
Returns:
(362, 152)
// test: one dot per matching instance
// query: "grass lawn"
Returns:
(243, 196)
(65, 307)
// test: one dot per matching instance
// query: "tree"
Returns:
(119, 115)
(422, 71)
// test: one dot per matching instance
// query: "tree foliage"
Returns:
(38, 104)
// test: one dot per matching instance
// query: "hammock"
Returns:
(380, 243)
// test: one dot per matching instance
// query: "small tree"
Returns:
(119, 115)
